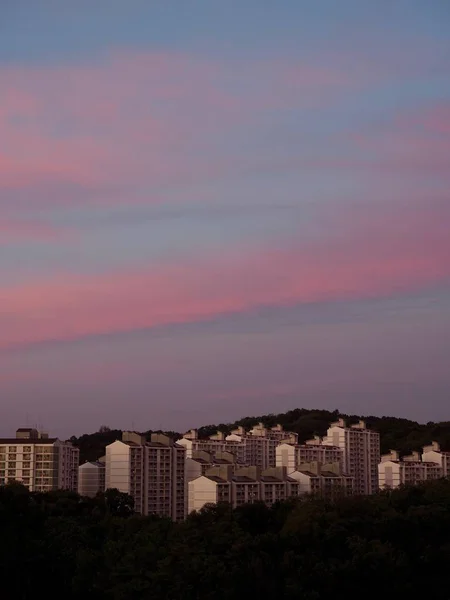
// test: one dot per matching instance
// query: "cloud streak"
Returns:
(139, 118)
(364, 255)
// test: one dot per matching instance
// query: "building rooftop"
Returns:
(216, 479)
(28, 441)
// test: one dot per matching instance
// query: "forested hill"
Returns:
(399, 434)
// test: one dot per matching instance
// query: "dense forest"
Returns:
(391, 545)
(399, 434)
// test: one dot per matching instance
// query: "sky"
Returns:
(211, 210)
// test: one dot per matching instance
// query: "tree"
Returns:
(118, 504)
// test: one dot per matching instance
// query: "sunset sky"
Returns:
(213, 209)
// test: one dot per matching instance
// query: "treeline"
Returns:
(399, 434)
(391, 545)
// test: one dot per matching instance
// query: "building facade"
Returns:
(241, 486)
(40, 463)
(433, 453)
(153, 473)
(292, 456)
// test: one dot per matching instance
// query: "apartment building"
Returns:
(433, 453)
(361, 453)
(324, 479)
(255, 447)
(203, 460)
(314, 450)
(241, 486)
(153, 473)
(215, 443)
(91, 478)
(261, 443)
(410, 470)
(40, 463)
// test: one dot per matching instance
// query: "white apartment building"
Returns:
(433, 453)
(153, 473)
(91, 478)
(326, 480)
(203, 460)
(410, 470)
(241, 486)
(40, 463)
(361, 453)
(292, 456)
(215, 443)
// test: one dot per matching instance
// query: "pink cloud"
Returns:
(13, 230)
(141, 119)
(367, 254)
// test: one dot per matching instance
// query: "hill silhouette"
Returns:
(396, 433)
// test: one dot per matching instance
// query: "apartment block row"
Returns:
(246, 485)
(414, 468)
(255, 447)
(39, 462)
(169, 478)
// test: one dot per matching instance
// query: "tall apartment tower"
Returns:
(361, 453)
(153, 473)
(40, 463)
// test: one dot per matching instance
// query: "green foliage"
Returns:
(391, 545)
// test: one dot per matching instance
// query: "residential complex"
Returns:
(171, 479)
(153, 473)
(40, 463)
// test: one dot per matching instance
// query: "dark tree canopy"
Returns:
(391, 545)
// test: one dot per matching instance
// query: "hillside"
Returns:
(399, 434)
